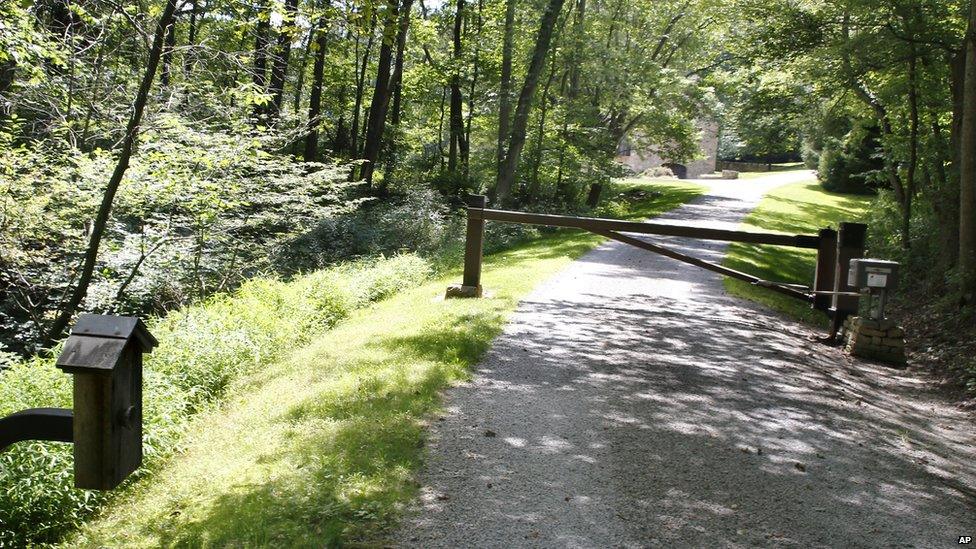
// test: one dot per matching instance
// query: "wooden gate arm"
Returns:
(594, 224)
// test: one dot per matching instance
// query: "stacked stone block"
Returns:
(875, 339)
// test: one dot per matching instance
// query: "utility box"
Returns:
(104, 354)
(873, 274)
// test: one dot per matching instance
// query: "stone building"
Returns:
(639, 160)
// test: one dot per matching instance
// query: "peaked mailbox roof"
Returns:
(97, 342)
(121, 327)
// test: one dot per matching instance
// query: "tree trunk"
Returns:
(506, 177)
(376, 122)
(396, 86)
(910, 184)
(401, 46)
(279, 69)
(505, 88)
(540, 134)
(471, 91)
(300, 84)
(260, 76)
(315, 98)
(167, 56)
(457, 117)
(440, 127)
(967, 168)
(360, 90)
(128, 143)
(191, 38)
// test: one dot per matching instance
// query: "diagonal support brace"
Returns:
(643, 244)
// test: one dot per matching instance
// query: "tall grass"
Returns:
(203, 350)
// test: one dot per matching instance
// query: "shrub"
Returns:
(200, 210)
(851, 165)
(203, 350)
(419, 221)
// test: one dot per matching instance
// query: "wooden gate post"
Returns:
(473, 247)
(823, 278)
(850, 245)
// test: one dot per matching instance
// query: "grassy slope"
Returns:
(320, 448)
(798, 208)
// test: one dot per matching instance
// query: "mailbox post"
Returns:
(878, 277)
(104, 354)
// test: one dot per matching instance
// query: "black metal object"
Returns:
(55, 424)
(104, 356)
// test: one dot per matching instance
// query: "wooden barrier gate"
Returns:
(829, 292)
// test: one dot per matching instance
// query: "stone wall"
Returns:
(639, 160)
(875, 339)
(743, 166)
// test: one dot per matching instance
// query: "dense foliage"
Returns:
(203, 349)
(156, 154)
(256, 112)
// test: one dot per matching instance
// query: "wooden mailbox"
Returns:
(104, 354)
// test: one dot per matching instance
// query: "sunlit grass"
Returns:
(800, 208)
(320, 449)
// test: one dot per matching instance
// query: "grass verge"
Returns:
(797, 208)
(319, 448)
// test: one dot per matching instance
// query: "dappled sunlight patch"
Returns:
(319, 447)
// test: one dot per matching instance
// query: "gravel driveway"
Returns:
(630, 403)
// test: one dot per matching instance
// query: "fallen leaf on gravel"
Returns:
(800, 467)
(489, 433)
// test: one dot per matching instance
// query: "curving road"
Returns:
(631, 403)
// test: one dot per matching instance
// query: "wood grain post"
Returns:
(473, 249)
(108, 423)
(823, 278)
(850, 245)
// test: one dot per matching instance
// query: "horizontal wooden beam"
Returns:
(594, 224)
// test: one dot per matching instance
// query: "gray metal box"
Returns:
(877, 274)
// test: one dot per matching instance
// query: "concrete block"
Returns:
(458, 291)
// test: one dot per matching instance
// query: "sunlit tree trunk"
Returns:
(505, 87)
(315, 97)
(360, 90)
(506, 177)
(376, 122)
(396, 87)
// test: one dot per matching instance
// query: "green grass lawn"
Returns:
(800, 208)
(320, 449)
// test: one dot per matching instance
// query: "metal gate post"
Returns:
(473, 248)
(850, 245)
